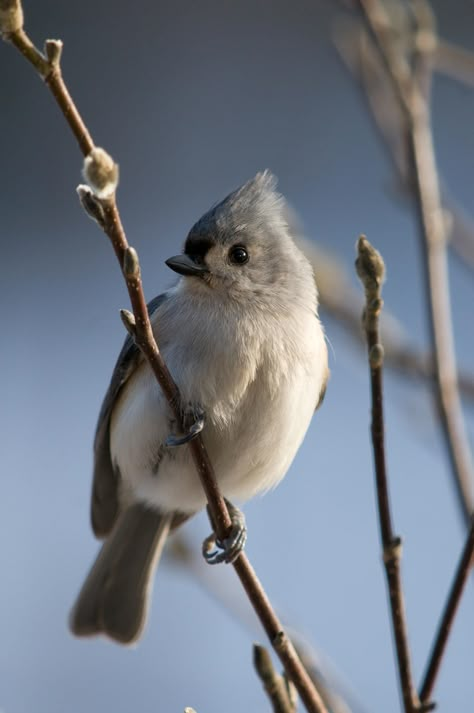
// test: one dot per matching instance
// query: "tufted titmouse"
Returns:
(241, 337)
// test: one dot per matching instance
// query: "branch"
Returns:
(455, 62)
(100, 203)
(447, 618)
(371, 270)
(422, 170)
(279, 690)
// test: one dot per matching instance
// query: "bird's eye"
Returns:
(238, 255)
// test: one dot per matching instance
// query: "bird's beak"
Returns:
(185, 265)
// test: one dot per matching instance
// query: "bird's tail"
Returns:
(114, 598)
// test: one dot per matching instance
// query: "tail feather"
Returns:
(114, 598)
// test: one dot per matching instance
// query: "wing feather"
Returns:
(105, 492)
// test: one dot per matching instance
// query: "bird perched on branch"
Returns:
(241, 337)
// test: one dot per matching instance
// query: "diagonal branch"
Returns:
(371, 269)
(100, 203)
(447, 618)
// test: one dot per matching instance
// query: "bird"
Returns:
(241, 336)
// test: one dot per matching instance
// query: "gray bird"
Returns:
(241, 337)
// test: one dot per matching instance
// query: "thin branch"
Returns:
(49, 69)
(341, 301)
(447, 618)
(424, 179)
(334, 691)
(360, 56)
(371, 270)
(278, 689)
(461, 230)
(455, 62)
(108, 218)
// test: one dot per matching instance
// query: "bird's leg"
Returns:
(214, 550)
(194, 420)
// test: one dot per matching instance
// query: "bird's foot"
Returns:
(216, 551)
(194, 420)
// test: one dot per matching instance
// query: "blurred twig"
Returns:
(421, 170)
(100, 203)
(279, 689)
(371, 271)
(361, 58)
(455, 62)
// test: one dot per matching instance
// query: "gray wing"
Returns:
(324, 385)
(105, 495)
(322, 393)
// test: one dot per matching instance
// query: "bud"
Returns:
(376, 356)
(131, 266)
(11, 16)
(91, 204)
(128, 320)
(369, 265)
(53, 50)
(101, 172)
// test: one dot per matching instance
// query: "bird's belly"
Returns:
(250, 455)
(264, 444)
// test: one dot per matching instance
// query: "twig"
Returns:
(341, 301)
(360, 56)
(447, 618)
(100, 203)
(279, 690)
(425, 40)
(371, 270)
(455, 62)
(423, 173)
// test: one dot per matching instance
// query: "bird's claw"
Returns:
(196, 427)
(216, 551)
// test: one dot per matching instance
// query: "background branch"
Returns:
(408, 132)
(371, 271)
(360, 56)
(279, 690)
(422, 172)
(447, 617)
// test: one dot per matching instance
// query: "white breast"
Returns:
(258, 411)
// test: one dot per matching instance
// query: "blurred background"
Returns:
(192, 99)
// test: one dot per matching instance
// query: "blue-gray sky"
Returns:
(192, 99)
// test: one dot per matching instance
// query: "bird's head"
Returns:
(242, 248)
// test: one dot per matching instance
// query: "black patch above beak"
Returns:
(185, 265)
